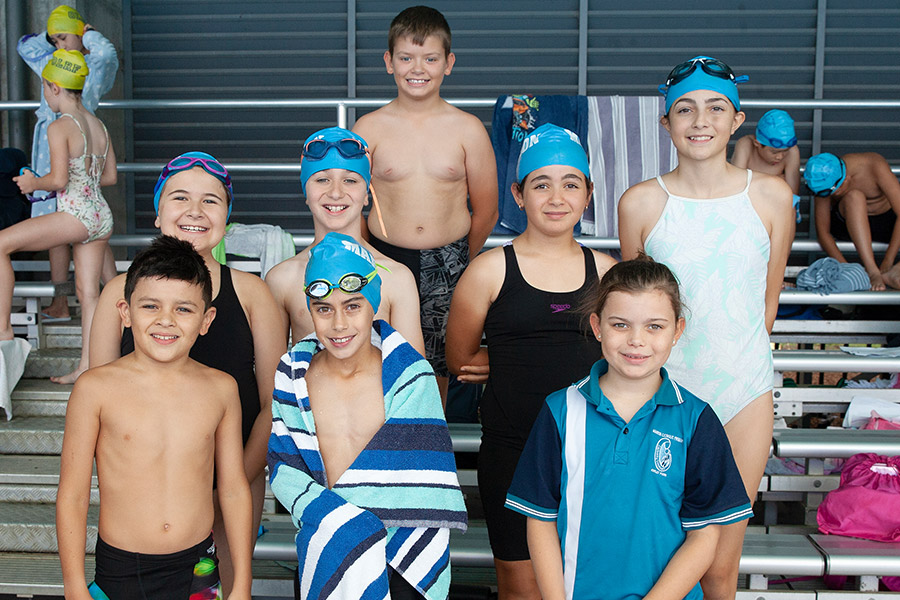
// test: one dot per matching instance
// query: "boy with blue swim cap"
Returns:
(772, 150)
(335, 176)
(355, 404)
(858, 199)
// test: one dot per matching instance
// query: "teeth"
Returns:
(340, 340)
(334, 209)
(193, 228)
(417, 80)
(164, 337)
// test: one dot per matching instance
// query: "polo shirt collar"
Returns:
(668, 393)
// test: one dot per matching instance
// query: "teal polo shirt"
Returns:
(624, 494)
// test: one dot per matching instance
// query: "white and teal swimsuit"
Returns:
(719, 250)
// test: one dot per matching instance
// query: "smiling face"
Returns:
(701, 122)
(419, 70)
(637, 332)
(67, 41)
(193, 206)
(166, 316)
(335, 198)
(553, 197)
(343, 323)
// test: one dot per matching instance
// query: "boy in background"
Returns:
(428, 159)
(858, 199)
(158, 423)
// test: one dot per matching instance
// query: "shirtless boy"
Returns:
(157, 422)
(336, 188)
(858, 199)
(428, 158)
(360, 454)
(772, 150)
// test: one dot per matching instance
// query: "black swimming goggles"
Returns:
(837, 184)
(349, 284)
(347, 147)
(710, 66)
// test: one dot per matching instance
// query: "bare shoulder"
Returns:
(250, 289)
(643, 197)
(488, 267)
(602, 261)
(217, 382)
(288, 272)
(771, 187)
(393, 273)
(115, 287)
(370, 125)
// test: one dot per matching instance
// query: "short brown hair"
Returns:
(418, 22)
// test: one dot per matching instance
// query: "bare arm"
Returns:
(268, 346)
(781, 235)
(74, 494)
(631, 223)
(687, 566)
(822, 208)
(792, 169)
(481, 179)
(471, 300)
(234, 491)
(405, 316)
(106, 327)
(110, 173)
(279, 281)
(742, 149)
(546, 558)
(889, 185)
(58, 176)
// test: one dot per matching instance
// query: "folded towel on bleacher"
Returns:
(862, 407)
(874, 352)
(12, 365)
(828, 276)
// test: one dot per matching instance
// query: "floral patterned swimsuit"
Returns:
(82, 198)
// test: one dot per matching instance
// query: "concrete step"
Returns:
(40, 398)
(66, 334)
(33, 479)
(35, 574)
(49, 362)
(26, 527)
(32, 435)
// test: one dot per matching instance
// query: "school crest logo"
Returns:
(662, 455)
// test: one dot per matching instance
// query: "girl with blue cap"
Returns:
(726, 233)
(524, 298)
(773, 150)
(193, 199)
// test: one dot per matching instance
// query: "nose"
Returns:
(340, 320)
(636, 337)
(336, 189)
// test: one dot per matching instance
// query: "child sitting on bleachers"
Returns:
(858, 199)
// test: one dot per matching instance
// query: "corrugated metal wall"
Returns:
(281, 49)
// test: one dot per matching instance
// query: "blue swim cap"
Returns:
(551, 144)
(823, 172)
(699, 79)
(338, 255)
(330, 153)
(189, 160)
(776, 130)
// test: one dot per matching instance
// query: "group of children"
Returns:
(186, 400)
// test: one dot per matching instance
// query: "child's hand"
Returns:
(474, 373)
(25, 180)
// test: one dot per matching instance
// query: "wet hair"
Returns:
(168, 257)
(643, 274)
(418, 22)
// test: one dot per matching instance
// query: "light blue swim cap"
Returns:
(324, 150)
(338, 255)
(699, 79)
(551, 144)
(823, 172)
(189, 160)
(776, 130)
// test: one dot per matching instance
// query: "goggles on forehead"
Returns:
(781, 145)
(710, 66)
(347, 147)
(183, 163)
(349, 284)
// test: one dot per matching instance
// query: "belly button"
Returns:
(420, 229)
(166, 526)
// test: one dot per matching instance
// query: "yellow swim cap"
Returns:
(65, 19)
(66, 69)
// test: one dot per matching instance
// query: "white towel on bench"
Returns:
(14, 352)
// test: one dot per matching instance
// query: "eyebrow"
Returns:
(158, 301)
(184, 191)
(566, 176)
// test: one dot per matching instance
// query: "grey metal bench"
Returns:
(28, 322)
(856, 557)
(797, 401)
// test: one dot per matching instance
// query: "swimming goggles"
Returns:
(349, 284)
(348, 148)
(31, 197)
(837, 184)
(183, 163)
(710, 66)
(780, 145)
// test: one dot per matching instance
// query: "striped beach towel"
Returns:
(393, 506)
(626, 145)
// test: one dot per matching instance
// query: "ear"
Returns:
(739, 118)
(156, 222)
(595, 325)
(451, 60)
(755, 142)
(664, 121)
(387, 62)
(124, 311)
(679, 329)
(517, 193)
(208, 317)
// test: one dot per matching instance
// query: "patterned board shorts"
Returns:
(437, 270)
